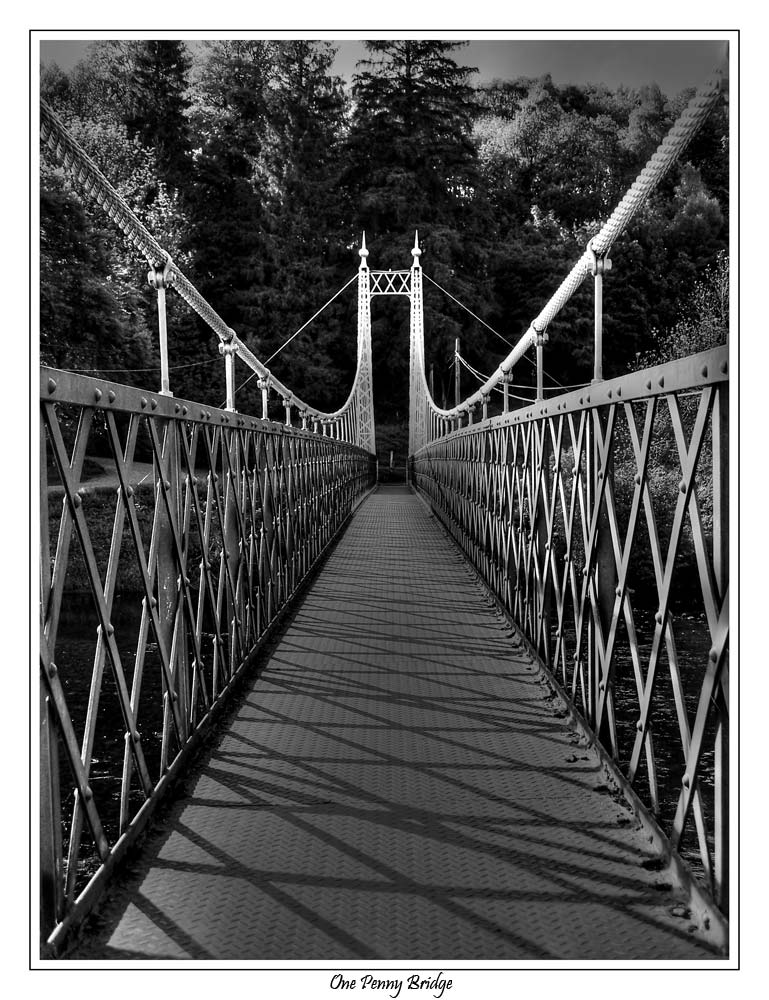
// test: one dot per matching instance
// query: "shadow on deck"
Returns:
(398, 783)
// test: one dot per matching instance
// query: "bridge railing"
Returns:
(589, 516)
(172, 535)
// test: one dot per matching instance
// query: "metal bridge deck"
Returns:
(396, 785)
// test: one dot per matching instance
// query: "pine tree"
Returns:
(157, 103)
(228, 238)
(410, 147)
(302, 160)
(412, 165)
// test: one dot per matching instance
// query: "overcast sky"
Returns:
(673, 64)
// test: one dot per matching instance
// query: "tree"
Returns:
(410, 148)
(86, 320)
(156, 105)
(227, 239)
(301, 162)
(412, 165)
(85, 261)
(98, 86)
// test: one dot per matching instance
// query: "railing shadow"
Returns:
(381, 795)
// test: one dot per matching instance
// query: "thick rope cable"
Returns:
(91, 182)
(667, 153)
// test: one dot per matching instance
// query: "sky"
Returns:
(672, 63)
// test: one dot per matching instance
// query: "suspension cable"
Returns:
(484, 323)
(467, 310)
(314, 316)
(302, 327)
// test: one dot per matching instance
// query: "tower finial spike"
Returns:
(363, 252)
(416, 253)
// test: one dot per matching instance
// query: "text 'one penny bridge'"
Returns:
(399, 721)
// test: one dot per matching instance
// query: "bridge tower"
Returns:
(364, 397)
(390, 282)
(417, 413)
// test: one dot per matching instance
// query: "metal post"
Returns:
(160, 279)
(598, 325)
(485, 399)
(264, 385)
(506, 392)
(287, 406)
(540, 366)
(457, 396)
(228, 351)
(598, 266)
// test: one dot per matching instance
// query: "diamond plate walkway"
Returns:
(396, 786)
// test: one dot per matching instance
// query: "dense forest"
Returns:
(258, 169)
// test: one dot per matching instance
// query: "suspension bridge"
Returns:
(356, 720)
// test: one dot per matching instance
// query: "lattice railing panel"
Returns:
(600, 521)
(172, 535)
